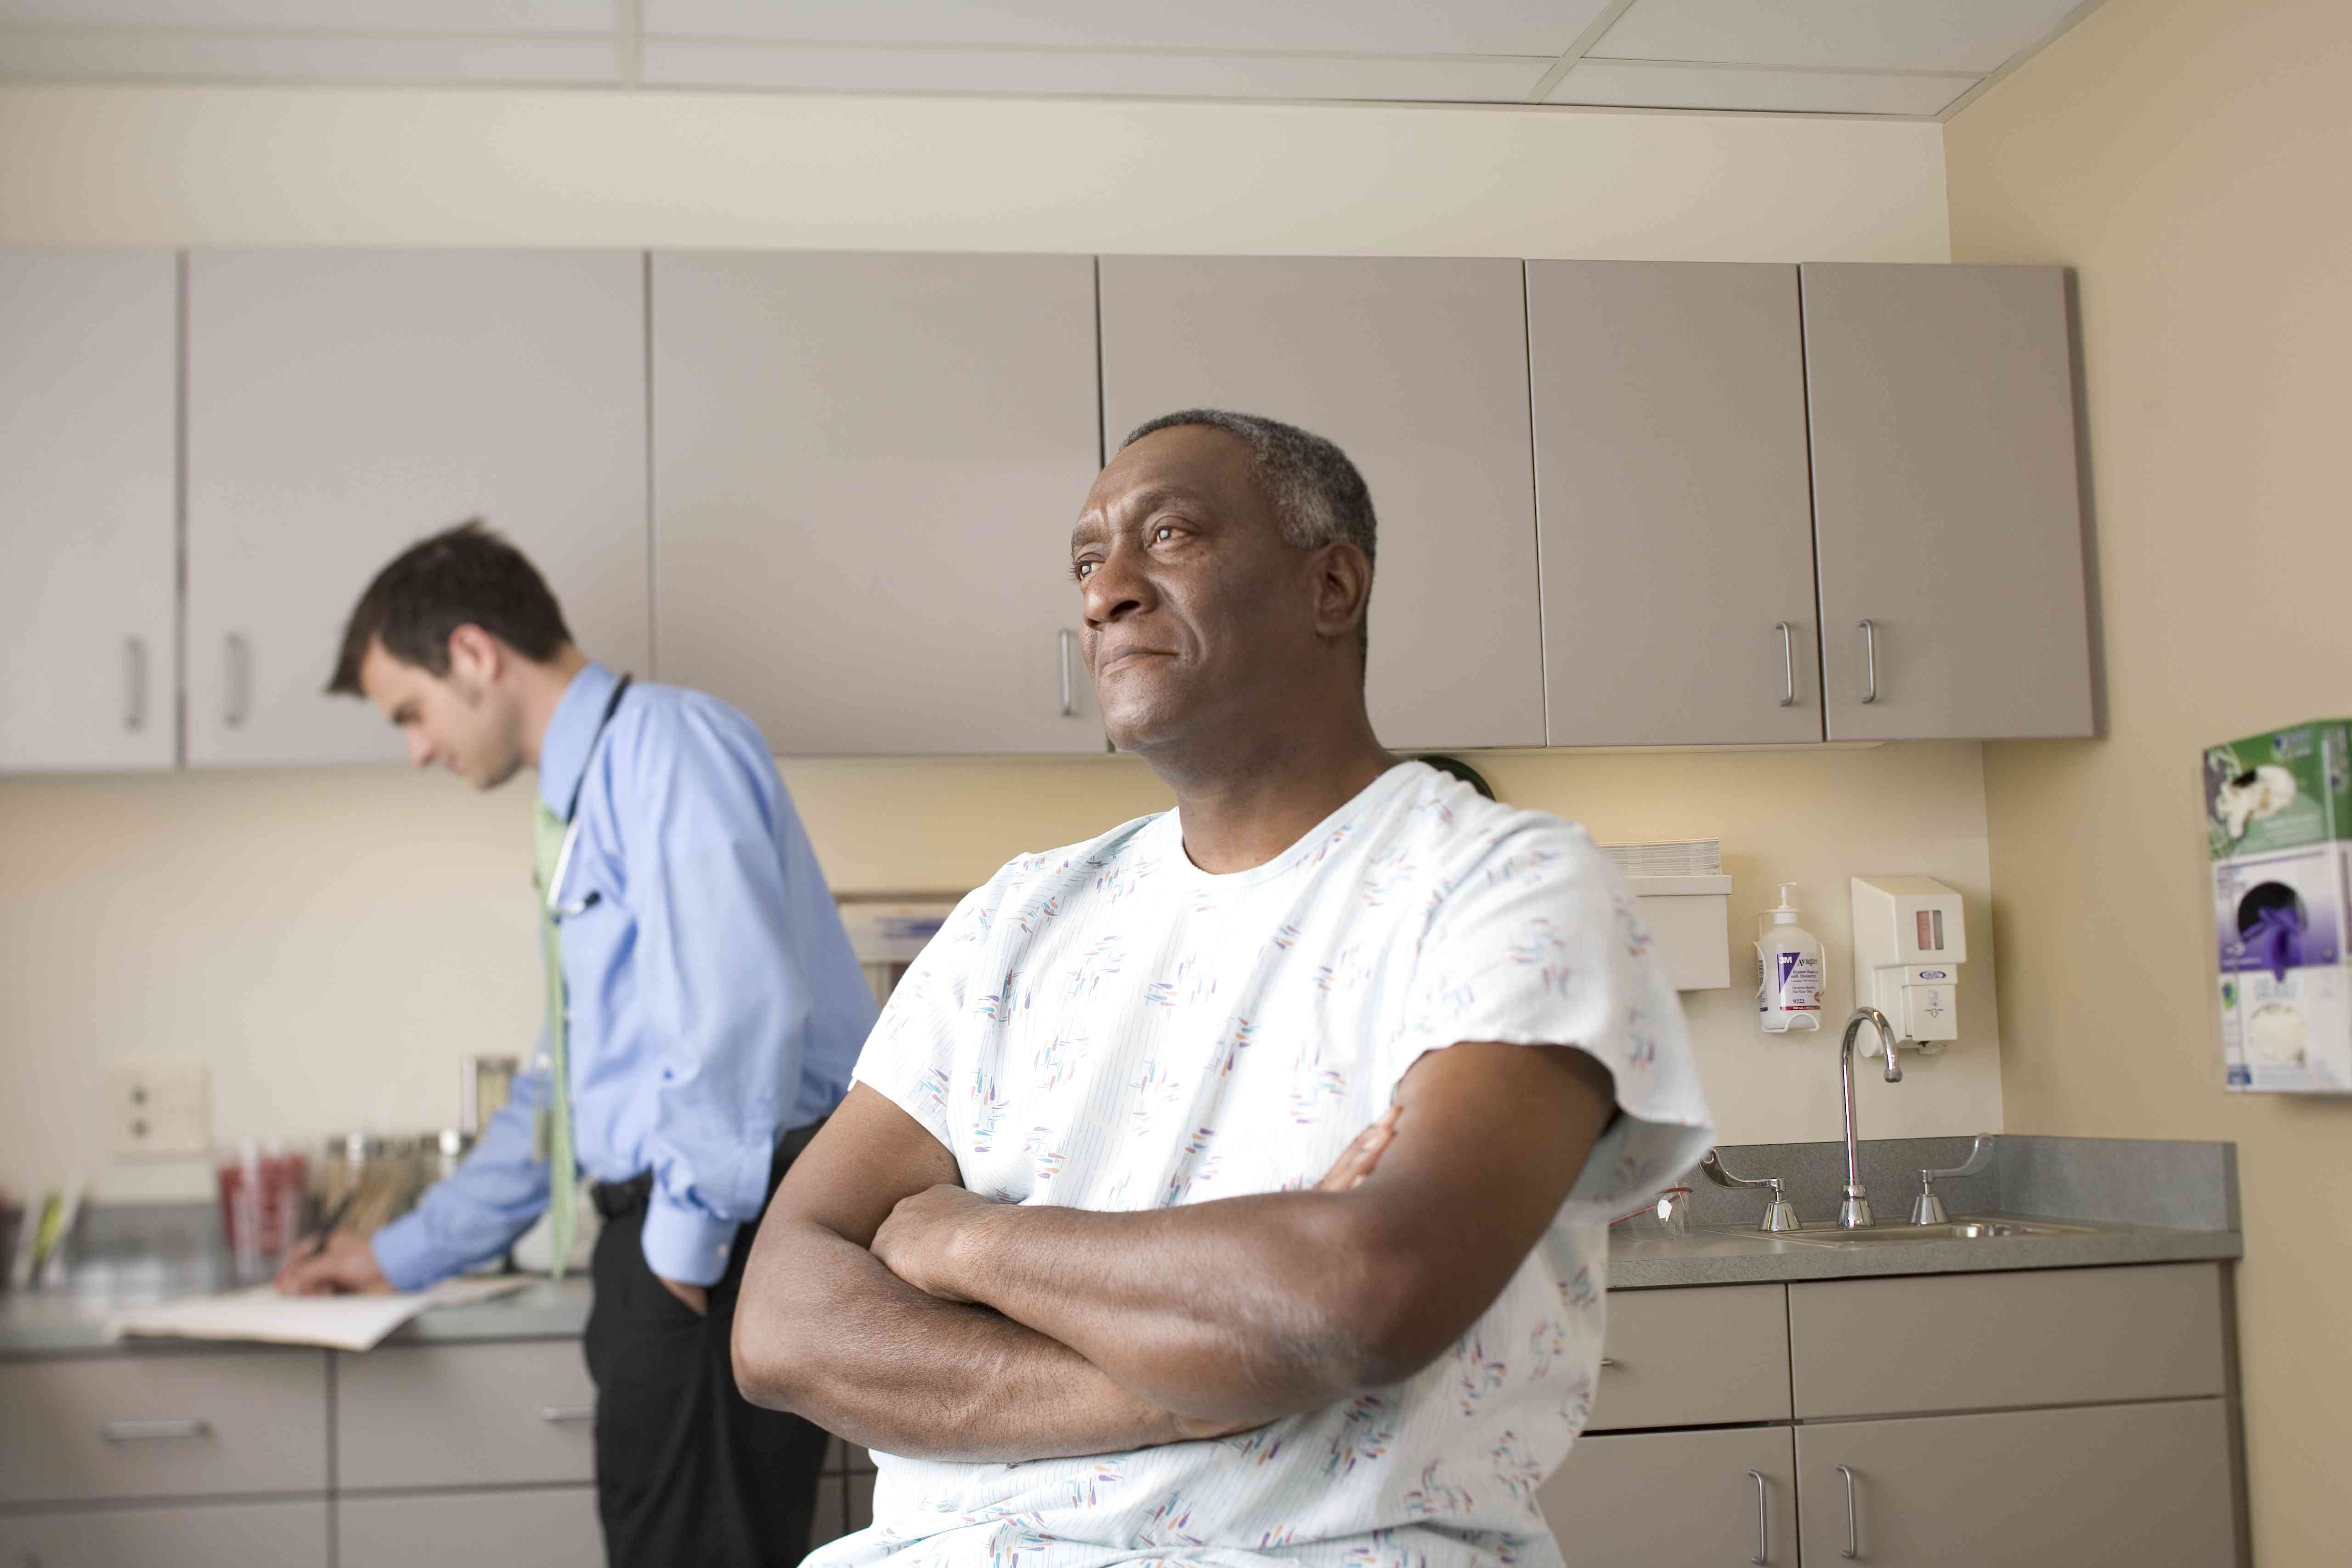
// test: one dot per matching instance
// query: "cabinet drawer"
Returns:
(1699, 1357)
(207, 1535)
(2140, 1486)
(554, 1527)
(1666, 1499)
(164, 1426)
(482, 1415)
(1983, 1341)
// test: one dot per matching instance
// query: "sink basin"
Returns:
(1899, 1232)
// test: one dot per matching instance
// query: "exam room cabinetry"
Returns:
(1417, 367)
(89, 390)
(1946, 502)
(2082, 1416)
(341, 404)
(865, 468)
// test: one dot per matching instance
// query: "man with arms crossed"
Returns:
(704, 1010)
(1234, 1187)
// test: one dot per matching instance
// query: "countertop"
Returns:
(61, 1322)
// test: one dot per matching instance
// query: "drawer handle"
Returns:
(561, 1414)
(1609, 1361)
(152, 1431)
(1852, 1535)
(1763, 1528)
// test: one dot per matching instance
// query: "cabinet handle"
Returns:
(239, 668)
(562, 1414)
(1609, 1361)
(1763, 1528)
(1870, 662)
(1064, 639)
(134, 684)
(152, 1431)
(1852, 1535)
(1788, 664)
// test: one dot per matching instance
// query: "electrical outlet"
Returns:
(158, 1110)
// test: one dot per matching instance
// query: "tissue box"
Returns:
(2278, 828)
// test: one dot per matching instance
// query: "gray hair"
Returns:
(1315, 492)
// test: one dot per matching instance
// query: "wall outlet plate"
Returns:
(158, 1110)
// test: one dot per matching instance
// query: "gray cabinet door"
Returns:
(1672, 503)
(344, 404)
(2135, 1485)
(1946, 502)
(1665, 1499)
(208, 1535)
(89, 385)
(866, 468)
(2042, 1336)
(1417, 368)
(552, 1527)
(449, 1416)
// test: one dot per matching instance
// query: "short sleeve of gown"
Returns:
(909, 1058)
(1538, 942)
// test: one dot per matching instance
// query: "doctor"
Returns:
(704, 1011)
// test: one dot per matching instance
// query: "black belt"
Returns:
(615, 1199)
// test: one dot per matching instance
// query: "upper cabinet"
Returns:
(1946, 502)
(1418, 369)
(344, 404)
(865, 470)
(1672, 504)
(88, 400)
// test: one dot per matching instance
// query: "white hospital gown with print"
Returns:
(1107, 1026)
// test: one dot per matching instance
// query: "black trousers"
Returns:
(689, 1474)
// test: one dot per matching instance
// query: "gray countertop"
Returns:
(2146, 1202)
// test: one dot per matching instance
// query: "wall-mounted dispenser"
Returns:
(1908, 946)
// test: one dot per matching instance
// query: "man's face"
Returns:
(1196, 610)
(459, 721)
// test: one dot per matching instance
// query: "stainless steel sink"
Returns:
(1981, 1229)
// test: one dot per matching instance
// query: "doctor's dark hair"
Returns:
(466, 577)
(1315, 491)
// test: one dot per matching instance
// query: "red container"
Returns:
(263, 1199)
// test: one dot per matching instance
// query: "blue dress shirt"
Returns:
(716, 1003)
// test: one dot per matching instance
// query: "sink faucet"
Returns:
(1853, 1213)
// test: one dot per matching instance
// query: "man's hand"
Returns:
(346, 1265)
(915, 1242)
(1363, 1156)
(696, 1297)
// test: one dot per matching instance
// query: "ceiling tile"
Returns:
(1970, 36)
(684, 63)
(1618, 84)
(317, 15)
(1313, 26)
(265, 57)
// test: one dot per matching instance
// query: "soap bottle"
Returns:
(1788, 970)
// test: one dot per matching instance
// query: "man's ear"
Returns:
(476, 658)
(1343, 589)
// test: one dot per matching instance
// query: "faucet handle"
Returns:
(1928, 1209)
(1779, 1213)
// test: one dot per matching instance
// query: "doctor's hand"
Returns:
(916, 1242)
(345, 1265)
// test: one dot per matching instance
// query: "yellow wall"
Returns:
(2190, 157)
(331, 941)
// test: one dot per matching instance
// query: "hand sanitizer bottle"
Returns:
(1788, 970)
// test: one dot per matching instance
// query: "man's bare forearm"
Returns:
(1243, 1309)
(832, 1335)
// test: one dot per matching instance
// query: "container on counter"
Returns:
(382, 1177)
(264, 1200)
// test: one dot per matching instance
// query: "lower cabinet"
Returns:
(194, 1535)
(2131, 1486)
(1706, 1499)
(553, 1527)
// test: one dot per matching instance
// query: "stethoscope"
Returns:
(556, 910)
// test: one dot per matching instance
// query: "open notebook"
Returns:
(338, 1322)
